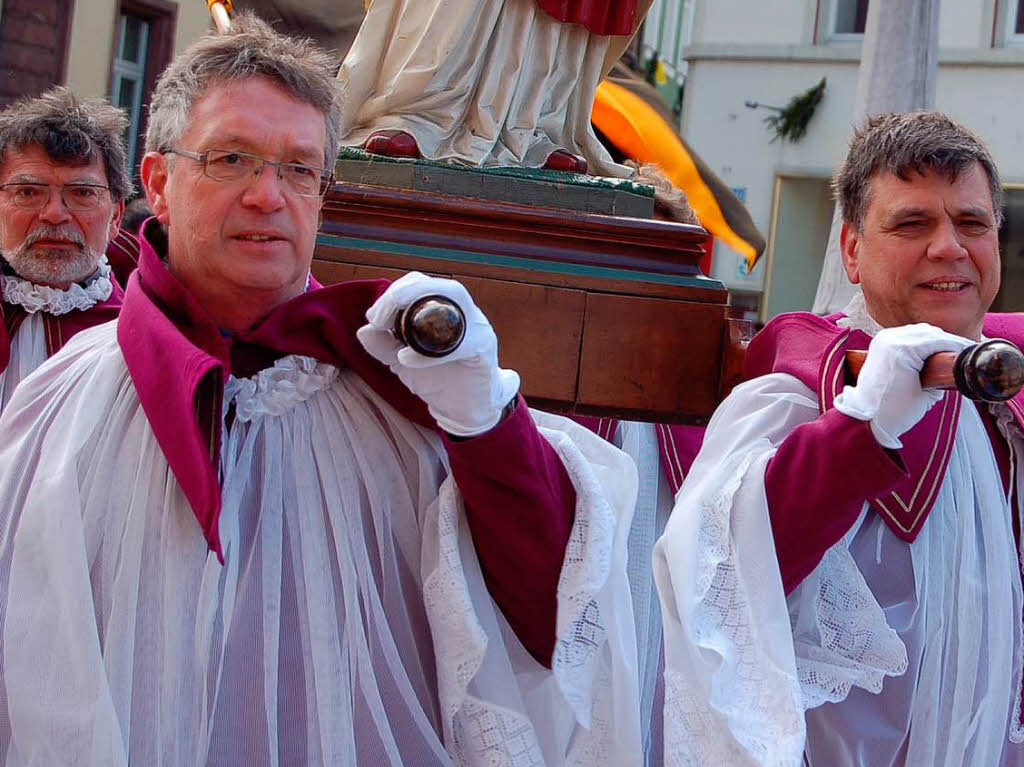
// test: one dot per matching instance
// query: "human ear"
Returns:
(154, 173)
(115, 220)
(849, 249)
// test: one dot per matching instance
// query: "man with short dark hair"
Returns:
(886, 601)
(247, 526)
(63, 183)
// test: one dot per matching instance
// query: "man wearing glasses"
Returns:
(245, 527)
(63, 182)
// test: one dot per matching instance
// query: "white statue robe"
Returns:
(482, 82)
(349, 624)
(901, 654)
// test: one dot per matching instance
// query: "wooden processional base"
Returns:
(601, 314)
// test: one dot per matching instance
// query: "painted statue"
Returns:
(485, 82)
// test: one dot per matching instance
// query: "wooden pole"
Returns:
(220, 9)
(992, 371)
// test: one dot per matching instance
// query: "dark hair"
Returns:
(135, 213)
(70, 130)
(909, 141)
(251, 48)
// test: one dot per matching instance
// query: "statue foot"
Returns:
(392, 143)
(560, 159)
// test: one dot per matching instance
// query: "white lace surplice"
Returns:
(28, 345)
(902, 654)
(349, 625)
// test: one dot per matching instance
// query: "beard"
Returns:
(56, 267)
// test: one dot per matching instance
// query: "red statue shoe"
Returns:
(563, 160)
(392, 143)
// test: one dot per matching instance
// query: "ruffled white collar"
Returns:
(857, 317)
(42, 298)
(276, 390)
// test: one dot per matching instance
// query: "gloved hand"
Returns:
(888, 391)
(465, 391)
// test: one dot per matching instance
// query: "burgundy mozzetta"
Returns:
(678, 444)
(59, 329)
(519, 500)
(123, 255)
(824, 470)
(602, 17)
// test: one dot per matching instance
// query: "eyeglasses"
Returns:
(35, 196)
(222, 165)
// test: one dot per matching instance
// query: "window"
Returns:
(143, 44)
(1014, 13)
(129, 79)
(802, 211)
(666, 33)
(849, 17)
(1011, 242)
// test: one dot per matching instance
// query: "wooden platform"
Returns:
(600, 314)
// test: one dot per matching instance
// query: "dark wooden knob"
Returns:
(432, 325)
(992, 371)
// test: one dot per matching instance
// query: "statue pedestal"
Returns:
(600, 314)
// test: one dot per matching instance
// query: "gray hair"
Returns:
(251, 48)
(70, 130)
(904, 142)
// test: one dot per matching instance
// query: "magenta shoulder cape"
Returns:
(179, 361)
(812, 349)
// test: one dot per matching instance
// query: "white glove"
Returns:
(888, 391)
(465, 391)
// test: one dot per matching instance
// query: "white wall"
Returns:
(91, 48)
(962, 23)
(193, 22)
(734, 141)
(989, 101)
(739, 56)
(966, 23)
(752, 22)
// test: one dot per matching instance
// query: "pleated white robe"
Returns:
(28, 351)
(349, 623)
(900, 654)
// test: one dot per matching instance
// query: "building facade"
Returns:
(767, 53)
(114, 49)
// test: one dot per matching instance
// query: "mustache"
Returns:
(47, 232)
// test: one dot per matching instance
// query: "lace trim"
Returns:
(484, 733)
(274, 391)
(42, 298)
(851, 644)
(588, 555)
(760, 713)
(857, 317)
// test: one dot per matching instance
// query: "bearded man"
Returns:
(63, 182)
(243, 526)
(850, 547)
